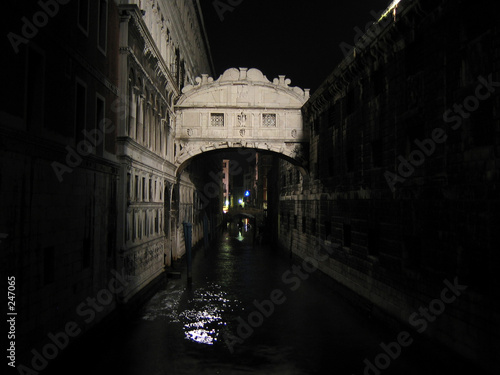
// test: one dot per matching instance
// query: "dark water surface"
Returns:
(204, 329)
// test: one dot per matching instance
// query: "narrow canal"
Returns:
(247, 312)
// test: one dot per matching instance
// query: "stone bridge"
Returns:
(241, 109)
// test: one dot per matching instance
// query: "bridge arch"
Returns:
(297, 161)
(241, 109)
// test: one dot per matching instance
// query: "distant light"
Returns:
(240, 201)
(391, 7)
(227, 203)
(247, 193)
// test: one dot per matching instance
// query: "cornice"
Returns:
(150, 47)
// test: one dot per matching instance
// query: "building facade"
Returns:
(403, 186)
(92, 206)
(163, 47)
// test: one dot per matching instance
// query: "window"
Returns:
(346, 229)
(100, 110)
(378, 80)
(87, 250)
(412, 248)
(349, 158)
(134, 226)
(80, 108)
(151, 197)
(303, 224)
(127, 231)
(35, 89)
(412, 57)
(350, 102)
(373, 240)
(144, 188)
(377, 153)
(269, 120)
(294, 221)
(83, 16)
(313, 227)
(48, 265)
(331, 116)
(331, 165)
(482, 123)
(328, 230)
(136, 187)
(217, 119)
(129, 181)
(102, 26)
(14, 84)
(140, 226)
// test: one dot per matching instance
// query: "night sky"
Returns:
(299, 39)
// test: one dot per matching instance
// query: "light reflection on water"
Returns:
(204, 314)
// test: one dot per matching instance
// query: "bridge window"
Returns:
(217, 119)
(269, 120)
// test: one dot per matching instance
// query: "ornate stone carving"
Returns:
(251, 76)
(242, 119)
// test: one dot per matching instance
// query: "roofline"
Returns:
(371, 36)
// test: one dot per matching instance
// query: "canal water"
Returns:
(247, 312)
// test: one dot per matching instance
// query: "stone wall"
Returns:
(402, 192)
(88, 110)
